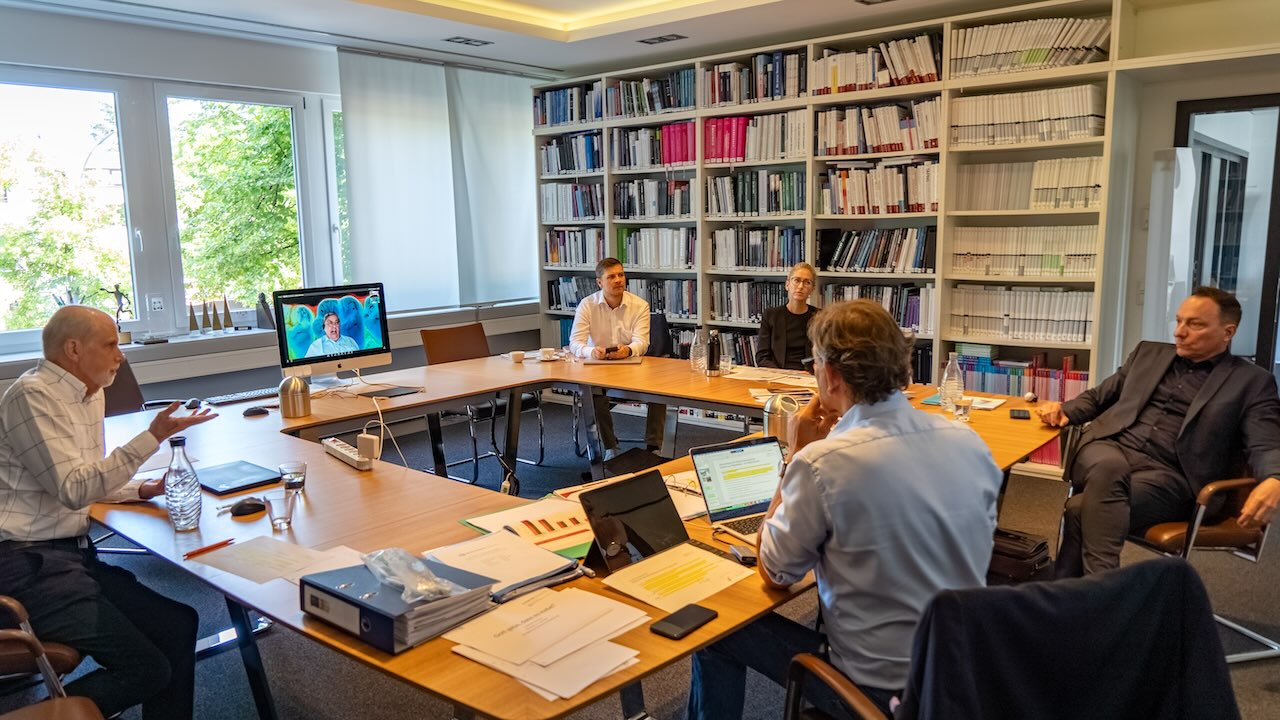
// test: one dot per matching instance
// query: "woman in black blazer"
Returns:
(784, 330)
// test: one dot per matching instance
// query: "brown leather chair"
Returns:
(1224, 534)
(804, 665)
(21, 653)
(466, 342)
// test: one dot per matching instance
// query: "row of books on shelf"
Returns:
(656, 248)
(1065, 113)
(1056, 183)
(676, 90)
(571, 154)
(756, 138)
(912, 306)
(641, 148)
(650, 198)
(886, 250)
(744, 300)
(892, 127)
(574, 247)
(569, 105)
(564, 292)
(569, 202)
(1028, 45)
(1049, 314)
(904, 61)
(1048, 251)
(747, 193)
(986, 371)
(678, 299)
(888, 186)
(766, 76)
(745, 248)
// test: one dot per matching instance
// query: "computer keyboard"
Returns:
(243, 395)
(746, 525)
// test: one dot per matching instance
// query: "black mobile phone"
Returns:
(683, 621)
(1019, 413)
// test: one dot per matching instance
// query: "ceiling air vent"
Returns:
(662, 39)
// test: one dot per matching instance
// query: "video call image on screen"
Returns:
(333, 326)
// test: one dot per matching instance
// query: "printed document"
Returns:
(676, 577)
(518, 630)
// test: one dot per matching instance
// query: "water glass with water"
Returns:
(294, 475)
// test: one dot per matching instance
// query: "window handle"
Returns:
(137, 235)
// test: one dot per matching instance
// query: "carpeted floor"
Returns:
(310, 682)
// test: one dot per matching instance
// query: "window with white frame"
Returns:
(146, 199)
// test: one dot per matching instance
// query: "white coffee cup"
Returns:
(547, 354)
(517, 356)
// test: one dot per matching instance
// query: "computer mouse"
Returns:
(248, 506)
(255, 411)
(192, 404)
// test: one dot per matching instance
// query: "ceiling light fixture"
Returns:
(468, 41)
(662, 39)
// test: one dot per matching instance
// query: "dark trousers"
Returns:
(1118, 490)
(718, 687)
(143, 641)
(654, 423)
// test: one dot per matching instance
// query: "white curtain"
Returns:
(494, 185)
(440, 180)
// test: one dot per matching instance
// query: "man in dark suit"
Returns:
(1171, 420)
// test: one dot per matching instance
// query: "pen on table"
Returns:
(207, 548)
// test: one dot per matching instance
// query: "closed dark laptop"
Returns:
(235, 476)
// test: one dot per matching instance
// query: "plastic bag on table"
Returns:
(402, 569)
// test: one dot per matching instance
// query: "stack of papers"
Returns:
(676, 577)
(517, 565)
(555, 643)
(550, 523)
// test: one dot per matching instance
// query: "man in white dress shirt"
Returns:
(613, 324)
(53, 466)
(886, 504)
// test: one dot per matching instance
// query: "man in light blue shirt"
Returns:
(331, 342)
(888, 505)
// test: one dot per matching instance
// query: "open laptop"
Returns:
(738, 480)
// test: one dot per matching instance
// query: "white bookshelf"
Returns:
(1150, 41)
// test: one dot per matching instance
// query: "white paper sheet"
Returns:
(551, 523)
(262, 559)
(566, 677)
(526, 626)
(337, 557)
(676, 577)
(618, 618)
(682, 487)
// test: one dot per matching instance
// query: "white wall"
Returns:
(1158, 105)
(58, 41)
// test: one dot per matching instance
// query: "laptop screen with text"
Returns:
(738, 478)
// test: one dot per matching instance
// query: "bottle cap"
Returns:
(177, 441)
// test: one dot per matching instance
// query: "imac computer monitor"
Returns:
(323, 330)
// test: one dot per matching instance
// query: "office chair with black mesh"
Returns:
(466, 342)
(660, 345)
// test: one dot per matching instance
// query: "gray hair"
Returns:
(70, 322)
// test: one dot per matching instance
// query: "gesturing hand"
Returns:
(166, 423)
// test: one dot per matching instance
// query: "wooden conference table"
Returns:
(391, 506)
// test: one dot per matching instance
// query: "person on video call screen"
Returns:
(331, 342)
